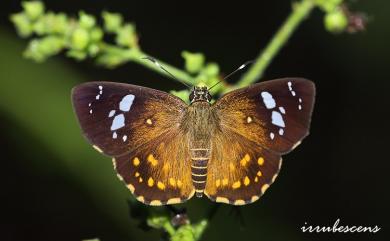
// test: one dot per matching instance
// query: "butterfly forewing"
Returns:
(274, 114)
(116, 117)
(140, 128)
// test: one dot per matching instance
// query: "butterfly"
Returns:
(167, 151)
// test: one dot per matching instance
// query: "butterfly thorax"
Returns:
(201, 123)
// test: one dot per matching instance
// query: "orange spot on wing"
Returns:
(153, 161)
(245, 160)
(246, 181)
(172, 182)
(217, 182)
(225, 182)
(179, 184)
(160, 185)
(236, 185)
(136, 161)
(150, 182)
(260, 161)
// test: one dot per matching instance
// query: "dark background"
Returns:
(55, 187)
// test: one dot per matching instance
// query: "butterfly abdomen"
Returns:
(200, 120)
(199, 162)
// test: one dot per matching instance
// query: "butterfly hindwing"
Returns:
(274, 114)
(117, 117)
(239, 171)
(158, 172)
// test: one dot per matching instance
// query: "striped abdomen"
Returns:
(199, 159)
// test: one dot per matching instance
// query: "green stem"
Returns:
(200, 228)
(300, 11)
(178, 73)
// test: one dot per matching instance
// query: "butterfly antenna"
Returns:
(153, 60)
(232, 73)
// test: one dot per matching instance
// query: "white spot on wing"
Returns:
(293, 93)
(281, 131)
(112, 113)
(89, 104)
(277, 119)
(90, 111)
(300, 100)
(272, 135)
(289, 85)
(126, 103)
(268, 100)
(299, 107)
(282, 110)
(124, 138)
(114, 135)
(98, 97)
(100, 87)
(118, 122)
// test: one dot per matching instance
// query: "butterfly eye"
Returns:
(192, 95)
(208, 96)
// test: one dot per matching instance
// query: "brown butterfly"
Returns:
(166, 150)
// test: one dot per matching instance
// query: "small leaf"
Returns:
(86, 21)
(112, 21)
(126, 36)
(193, 61)
(43, 48)
(80, 39)
(22, 24)
(33, 9)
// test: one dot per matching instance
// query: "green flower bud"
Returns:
(336, 21)
(96, 34)
(76, 54)
(80, 39)
(22, 24)
(39, 26)
(33, 9)
(93, 50)
(193, 61)
(86, 21)
(126, 36)
(43, 48)
(112, 21)
(211, 69)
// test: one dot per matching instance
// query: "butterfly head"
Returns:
(200, 93)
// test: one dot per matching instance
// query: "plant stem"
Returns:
(178, 73)
(300, 11)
